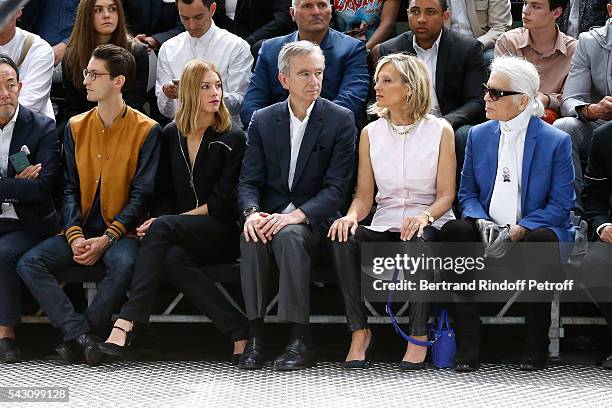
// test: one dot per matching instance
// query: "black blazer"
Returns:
(597, 193)
(460, 73)
(256, 19)
(215, 174)
(324, 166)
(154, 18)
(593, 13)
(33, 198)
(134, 90)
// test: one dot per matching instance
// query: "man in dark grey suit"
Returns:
(295, 175)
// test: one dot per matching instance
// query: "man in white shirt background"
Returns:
(203, 39)
(34, 58)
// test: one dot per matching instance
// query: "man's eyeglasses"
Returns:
(495, 94)
(92, 74)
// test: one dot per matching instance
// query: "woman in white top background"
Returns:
(409, 156)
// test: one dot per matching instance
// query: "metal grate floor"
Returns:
(210, 384)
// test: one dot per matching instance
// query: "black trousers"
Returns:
(346, 257)
(596, 268)
(14, 242)
(178, 245)
(465, 311)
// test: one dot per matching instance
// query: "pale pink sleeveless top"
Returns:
(405, 170)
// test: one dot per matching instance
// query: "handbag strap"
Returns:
(396, 326)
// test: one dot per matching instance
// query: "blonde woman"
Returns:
(409, 156)
(200, 162)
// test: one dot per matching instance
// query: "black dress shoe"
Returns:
(235, 359)
(85, 347)
(297, 356)
(355, 364)
(9, 351)
(252, 356)
(112, 349)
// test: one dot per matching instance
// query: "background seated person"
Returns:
(346, 70)
(254, 20)
(100, 22)
(517, 172)
(413, 201)
(484, 20)
(580, 16)
(371, 22)
(541, 42)
(152, 22)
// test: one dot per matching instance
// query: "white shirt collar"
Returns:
(518, 123)
(434, 47)
(208, 35)
(295, 118)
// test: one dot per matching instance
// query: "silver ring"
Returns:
(416, 226)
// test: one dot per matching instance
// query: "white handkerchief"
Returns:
(25, 149)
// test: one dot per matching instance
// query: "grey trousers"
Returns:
(293, 250)
(581, 133)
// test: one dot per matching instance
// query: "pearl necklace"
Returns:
(409, 129)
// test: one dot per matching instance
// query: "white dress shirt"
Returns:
(460, 22)
(6, 134)
(36, 72)
(430, 58)
(515, 129)
(230, 8)
(297, 128)
(230, 53)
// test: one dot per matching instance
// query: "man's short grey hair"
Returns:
(523, 77)
(294, 49)
(294, 3)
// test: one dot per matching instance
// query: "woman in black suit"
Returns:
(200, 163)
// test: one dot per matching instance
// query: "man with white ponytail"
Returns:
(518, 173)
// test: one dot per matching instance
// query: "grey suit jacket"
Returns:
(488, 19)
(590, 76)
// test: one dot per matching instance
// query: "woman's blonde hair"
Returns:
(189, 103)
(415, 76)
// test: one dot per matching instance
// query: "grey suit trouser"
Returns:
(293, 250)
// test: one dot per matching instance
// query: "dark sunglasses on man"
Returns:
(495, 94)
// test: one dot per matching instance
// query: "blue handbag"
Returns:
(441, 336)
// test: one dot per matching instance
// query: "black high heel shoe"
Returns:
(366, 362)
(114, 350)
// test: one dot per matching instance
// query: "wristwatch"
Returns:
(111, 238)
(430, 218)
(249, 211)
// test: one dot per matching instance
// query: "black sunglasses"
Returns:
(495, 94)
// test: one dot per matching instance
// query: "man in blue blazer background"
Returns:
(346, 80)
(295, 175)
(27, 213)
(517, 172)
